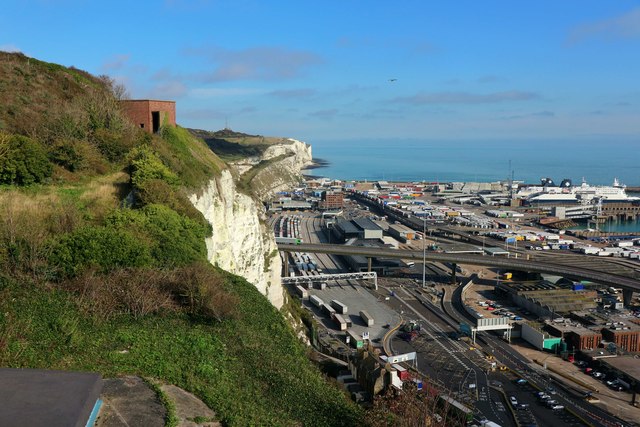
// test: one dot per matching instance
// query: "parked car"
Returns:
(596, 374)
(556, 407)
(521, 381)
(513, 400)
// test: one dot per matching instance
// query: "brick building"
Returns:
(577, 336)
(150, 114)
(332, 200)
(626, 336)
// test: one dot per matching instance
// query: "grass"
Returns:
(188, 156)
(234, 146)
(245, 181)
(171, 419)
(250, 370)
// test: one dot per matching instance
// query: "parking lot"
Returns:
(356, 298)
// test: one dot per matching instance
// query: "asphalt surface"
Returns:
(454, 365)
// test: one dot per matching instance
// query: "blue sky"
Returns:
(321, 70)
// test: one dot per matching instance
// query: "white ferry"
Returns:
(583, 194)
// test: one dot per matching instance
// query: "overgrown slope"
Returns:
(103, 264)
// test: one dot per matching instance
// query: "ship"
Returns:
(568, 194)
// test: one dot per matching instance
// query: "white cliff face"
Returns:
(240, 242)
(288, 159)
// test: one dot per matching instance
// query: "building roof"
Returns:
(574, 328)
(348, 227)
(496, 251)
(39, 397)
(146, 100)
(366, 224)
(627, 364)
(401, 228)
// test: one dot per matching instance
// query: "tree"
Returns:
(24, 161)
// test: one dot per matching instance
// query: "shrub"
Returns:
(69, 154)
(176, 239)
(156, 191)
(201, 290)
(134, 291)
(113, 145)
(105, 247)
(24, 161)
(146, 165)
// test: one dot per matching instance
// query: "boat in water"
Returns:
(568, 194)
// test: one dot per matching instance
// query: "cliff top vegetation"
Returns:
(232, 146)
(103, 264)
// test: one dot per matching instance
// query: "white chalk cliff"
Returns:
(286, 159)
(241, 243)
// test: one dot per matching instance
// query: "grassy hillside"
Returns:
(103, 264)
(232, 146)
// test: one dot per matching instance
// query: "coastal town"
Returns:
(484, 293)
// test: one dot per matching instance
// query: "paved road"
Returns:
(470, 259)
(449, 363)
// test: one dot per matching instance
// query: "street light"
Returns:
(424, 249)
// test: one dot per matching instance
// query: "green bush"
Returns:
(104, 247)
(176, 239)
(146, 165)
(22, 161)
(156, 191)
(113, 145)
(69, 154)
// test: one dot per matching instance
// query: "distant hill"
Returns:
(230, 145)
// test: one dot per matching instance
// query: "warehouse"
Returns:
(401, 232)
(360, 228)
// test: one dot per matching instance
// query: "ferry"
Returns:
(567, 194)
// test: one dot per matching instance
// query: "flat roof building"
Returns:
(577, 336)
(625, 335)
(401, 232)
(360, 228)
(149, 114)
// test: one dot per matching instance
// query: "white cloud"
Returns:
(466, 97)
(623, 26)
(116, 62)
(9, 48)
(215, 92)
(256, 63)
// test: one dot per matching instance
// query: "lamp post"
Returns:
(424, 249)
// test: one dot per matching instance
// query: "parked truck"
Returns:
(338, 306)
(366, 318)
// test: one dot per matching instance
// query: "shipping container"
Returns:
(327, 309)
(342, 325)
(578, 287)
(302, 292)
(366, 318)
(338, 306)
(316, 301)
(322, 285)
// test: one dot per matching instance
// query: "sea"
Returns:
(598, 162)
